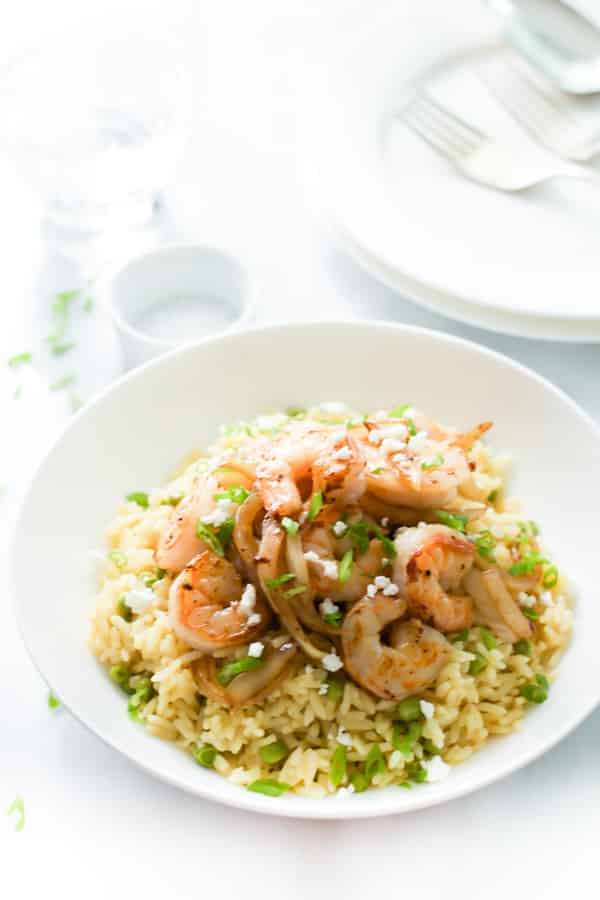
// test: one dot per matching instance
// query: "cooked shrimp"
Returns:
(205, 609)
(495, 606)
(179, 542)
(431, 562)
(320, 460)
(248, 687)
(323, 564)
(392, 672)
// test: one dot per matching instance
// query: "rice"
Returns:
(468, 709)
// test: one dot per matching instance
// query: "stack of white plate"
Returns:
(525, 264)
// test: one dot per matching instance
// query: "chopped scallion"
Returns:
(359, 782)
(550, 577)
(294, 591)
(399, 411)
(335, 687)
(315, 506)
(334, 619)
(205, 755)
(489, 641)
(53, 702)
(438, 460)
(139, 497)
(275, 583)
(345, 568)
(409, 710)
(374, 763)
(290, 525)
(484, 544)
(460, 636)
(19, 359)
(18, 808)
(338, 766)
(124, 610)
(270, 787)
(478, 664)
(458, 521)
(295, 412)
(118, 558)
(232, 669)
(530, 613)
(216, 538)
(274, 752)
(527, 564)
(523, 648)
(235, 494)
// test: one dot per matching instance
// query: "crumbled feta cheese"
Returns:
(323, 688)
(391, 590)
(343, 737)
(547, 598)
(254, 619)
(375, 437)
(256, 649)
(328, 608)
(334, 407)
(329, 566)
(343, 453)
(418, 441)
(248, 599)
(139, 599)
(222, 511)
(332, 662)
(371, 590)
(385, 522)
(339, 528)
(437, 769)
(385, 584)
(427, 708)
(287, 646)
(527, 599)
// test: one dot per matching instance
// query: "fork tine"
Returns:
(527, 102)
(445, 131)
(453, 122)
(431, 135)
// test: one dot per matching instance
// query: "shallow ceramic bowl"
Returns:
(132, 435)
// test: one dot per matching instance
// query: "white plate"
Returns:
(533, 254)
(130, 437)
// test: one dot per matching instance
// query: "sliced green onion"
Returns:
(527, 564)
(295, 412)
(274, 752)
(270, 787)
(543, 682)
(438, 460)
(315, 506)
(377, 471)
(205, 755)
(533, 692)
(216, 538)
(335, 687)
(121, 675)
(358, 532)
(118, 558)
(61, 383)
(338, 766)
(484, 544)
(493, 496)
(407, 785)
(334, 619)
(290, 525)
(409, 710)
(458, 521)
(374, 763)
(53, 702)
(293, 592)
(138, 497)
(489, 641)
(478, 664)
(18, 807)
(88, 304)
(460, 636)
(149, 579)
(235, 494)
(359, 782)
(399, 411)
(145, 689)
(523, 648)
(403, 738)
(233, 669)
(275, 583)
(124, 610)
(412, 428)
(430, 748)
(175, 500)
(550, 577)
(345, 569)
(19, 359)
(530, 613)
(416, 772)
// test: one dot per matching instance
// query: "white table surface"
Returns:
(96, 826)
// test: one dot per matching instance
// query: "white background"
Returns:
(96, 827)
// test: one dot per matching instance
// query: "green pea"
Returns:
(409, 709)
(478, 664)
(205, 755)
(274, 752)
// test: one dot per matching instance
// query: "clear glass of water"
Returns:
(96, 127)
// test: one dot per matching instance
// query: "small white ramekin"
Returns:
(175, 271)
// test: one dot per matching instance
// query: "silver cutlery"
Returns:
(557, 39)
(481, 157)
(552, 118)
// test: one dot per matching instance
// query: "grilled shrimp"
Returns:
(495, 606)
(205, 608)
(431, 562)
(319, 460)
(409, 664)
(422, 471)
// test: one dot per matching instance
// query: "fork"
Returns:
(480, 157)
(552, 118)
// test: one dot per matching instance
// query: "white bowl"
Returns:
(130, 437)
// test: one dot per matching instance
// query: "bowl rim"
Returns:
(293, 806)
